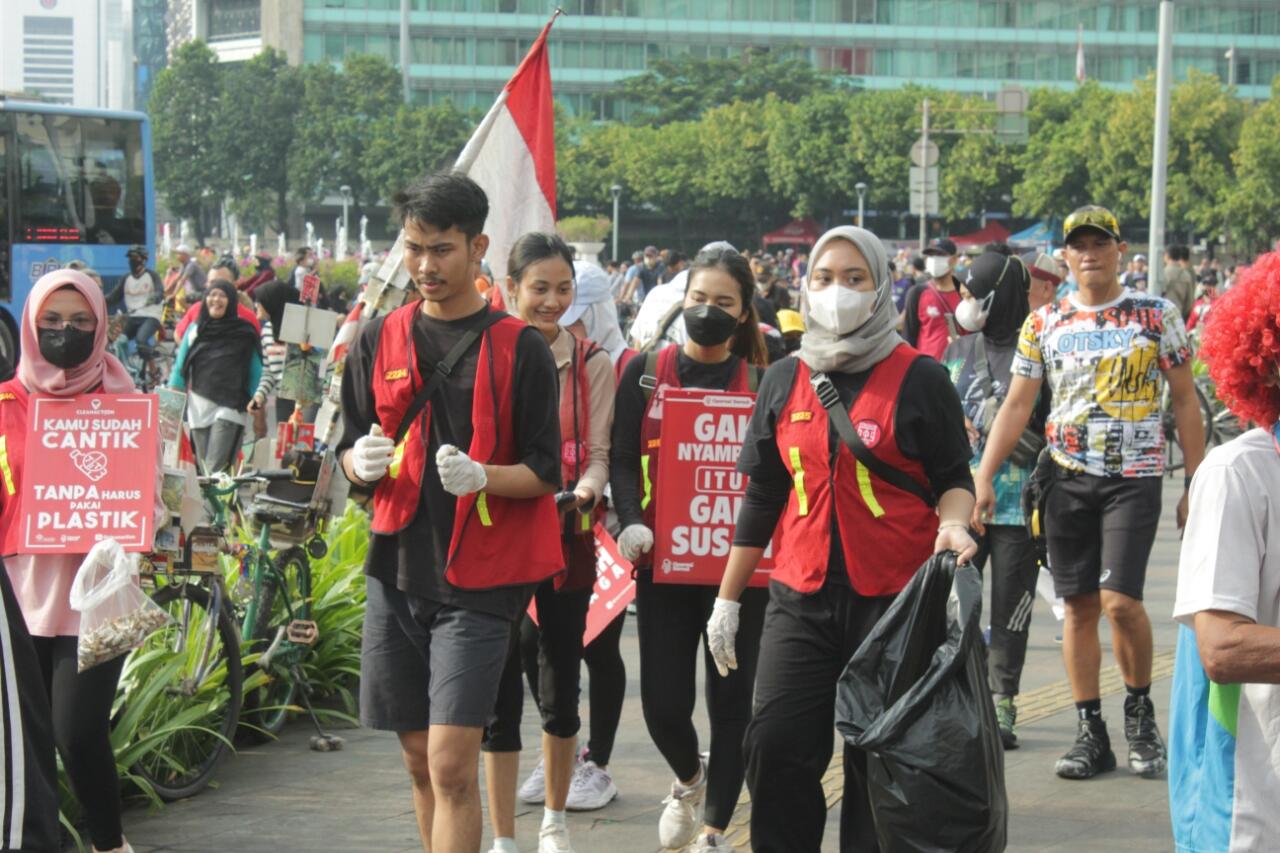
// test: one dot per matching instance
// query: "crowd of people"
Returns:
(903, 407)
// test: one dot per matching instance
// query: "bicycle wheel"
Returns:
(286, 597)
(182, 694)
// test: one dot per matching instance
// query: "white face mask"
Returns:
(970, 316)
(937, 266)
(840, 310)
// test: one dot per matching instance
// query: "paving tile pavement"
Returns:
(281, 797)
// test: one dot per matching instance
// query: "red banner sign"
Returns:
(90, 473)
(699, 487)
(614, 589)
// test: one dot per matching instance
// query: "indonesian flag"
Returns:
(1080, 76)
(512, 156)
(342, 340)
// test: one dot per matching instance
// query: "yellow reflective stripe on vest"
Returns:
(802, 498)
(4, 467)
(864, 487)
(482, 508)
(648, 486)
(393, 470)
(586, 522)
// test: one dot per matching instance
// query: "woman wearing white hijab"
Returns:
(849, 534)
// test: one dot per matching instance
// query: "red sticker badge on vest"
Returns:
(573, 452)
(869, 431)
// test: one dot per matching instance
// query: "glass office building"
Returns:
(465, 50)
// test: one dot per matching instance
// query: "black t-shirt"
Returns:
(625, 477)
(928, 425)
(414, 560)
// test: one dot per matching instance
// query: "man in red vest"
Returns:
(451, 414)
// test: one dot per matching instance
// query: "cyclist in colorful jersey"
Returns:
(1106, 353)
(1224, 709)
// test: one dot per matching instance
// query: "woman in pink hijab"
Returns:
(64, 353)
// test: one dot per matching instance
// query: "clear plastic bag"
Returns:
(115, 614)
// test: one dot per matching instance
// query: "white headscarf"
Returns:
(593, 305)
(874, 340)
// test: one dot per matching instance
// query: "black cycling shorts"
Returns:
(1100, 531)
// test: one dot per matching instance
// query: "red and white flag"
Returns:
(345, 337)
(512, 156)
(1080, 76)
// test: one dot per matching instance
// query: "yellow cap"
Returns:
(790, 321)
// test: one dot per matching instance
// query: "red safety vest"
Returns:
(667, 377)
(483, 553)
(886, 533)
(13, 440)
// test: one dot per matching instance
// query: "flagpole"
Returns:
(1160, 148)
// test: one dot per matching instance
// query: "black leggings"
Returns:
(606, 687)
(672, 622)
(562, 617)
(81, 704)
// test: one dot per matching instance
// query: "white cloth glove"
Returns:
(371, 455)
(459, 473)
(722, 633)
(634, 541)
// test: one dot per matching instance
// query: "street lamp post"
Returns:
(346, 201)
(616, 191)
(862, 198)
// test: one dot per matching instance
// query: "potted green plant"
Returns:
(586, 234)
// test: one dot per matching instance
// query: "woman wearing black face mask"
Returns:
(64, 354)
(993, 306)
(723, 352)
(219, 364)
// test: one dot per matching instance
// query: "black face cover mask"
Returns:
(66, 348)
(709, 325)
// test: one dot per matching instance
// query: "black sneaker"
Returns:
(1090, 755)
(1147, 755)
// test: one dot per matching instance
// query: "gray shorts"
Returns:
(423, 663)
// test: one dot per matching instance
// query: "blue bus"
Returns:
(75, 184)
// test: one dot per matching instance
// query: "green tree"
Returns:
(412, 142)
(1067, 133)
(683, 89)
(1204, 128)
(258, 114)
(734, 180)
(183, 107)
(587, 165)
(1251, 202)
(811, 161)
(340, 115)
(882, 127)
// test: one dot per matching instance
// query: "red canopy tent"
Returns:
(797, 232)
(994, 232)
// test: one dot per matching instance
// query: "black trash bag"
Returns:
(914, 697)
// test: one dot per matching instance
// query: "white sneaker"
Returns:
(712, 843)
(534, 789)
(554, 838)
(682, 817)
(590, 788)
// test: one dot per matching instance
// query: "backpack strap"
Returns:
(649, 379)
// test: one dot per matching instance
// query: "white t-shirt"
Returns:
(137, 293)
(1224, 740)
(655, 306)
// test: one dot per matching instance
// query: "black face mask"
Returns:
(66, 348)
(709, 325)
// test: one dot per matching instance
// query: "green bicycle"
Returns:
(194, 664)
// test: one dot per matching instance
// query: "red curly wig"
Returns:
(1242, 342)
